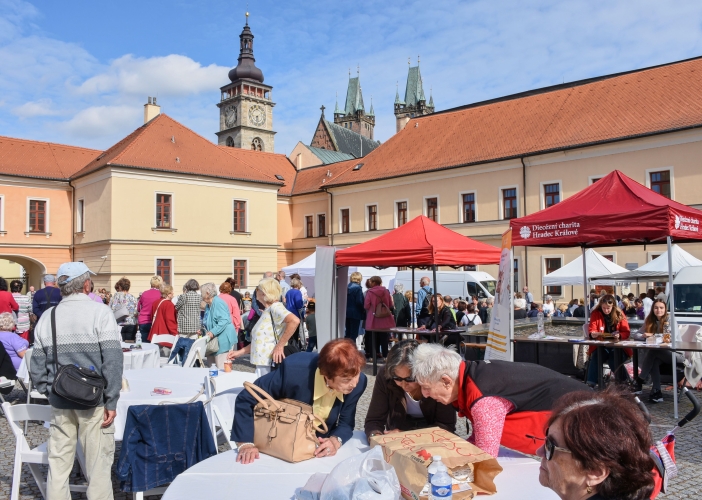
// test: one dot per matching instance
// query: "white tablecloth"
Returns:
(274, 479)
(146, 357)
(185, 383)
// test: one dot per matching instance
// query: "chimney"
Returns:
(151, 110)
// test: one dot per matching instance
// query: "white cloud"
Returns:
(172, 75)
(103, 121)
(42, 107)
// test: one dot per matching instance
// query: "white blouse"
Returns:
(413, 408)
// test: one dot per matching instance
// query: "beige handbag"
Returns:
(284, 429)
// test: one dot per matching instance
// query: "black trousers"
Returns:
(129, 332)
(382, 340)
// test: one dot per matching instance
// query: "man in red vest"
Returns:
(505, 401)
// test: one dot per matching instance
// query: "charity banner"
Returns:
(498, 343)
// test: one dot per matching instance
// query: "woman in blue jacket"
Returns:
(295, 304)
(331, 382)
(355, 312)
(218, 323)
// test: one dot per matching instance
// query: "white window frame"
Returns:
(248, 271)
(543, 273)
(501, 205)
(304, 225)
(163, 257)
(80, 215)
(425, 208)
(542, 190)
(649, 171)
(47, 215)
(394, 211)
(316, 225)
(246, 222)
(173, 224)
(377, 215)
(340, 222)
(592, 178)
(2, 213)
(460, 205)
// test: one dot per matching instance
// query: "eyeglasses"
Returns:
(549, 446)
(405, 379)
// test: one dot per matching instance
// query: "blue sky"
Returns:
(79, 72)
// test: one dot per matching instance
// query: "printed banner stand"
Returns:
(499, 343)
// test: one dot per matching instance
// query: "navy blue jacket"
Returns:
(354, 302)
(160, 442)
(45, 298)
(294, 379)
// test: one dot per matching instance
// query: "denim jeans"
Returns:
(145, 329)
(352, 326)
(311, 343)
(613, 357)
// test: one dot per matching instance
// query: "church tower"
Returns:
(353, 116)
(246, 108)
(415, 103)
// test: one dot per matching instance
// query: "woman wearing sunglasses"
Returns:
(596, 447)
(397, 403)
(607, 321)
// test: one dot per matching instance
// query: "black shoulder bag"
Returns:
(71, 382)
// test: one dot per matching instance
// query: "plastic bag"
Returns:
(362, 477)
(312, 488)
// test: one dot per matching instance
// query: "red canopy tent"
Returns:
(615, 210)
(421, 242)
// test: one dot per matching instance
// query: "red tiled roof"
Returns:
(649, 101)
(312, 179)
(165, 145)
(42, 159)
(269, 164)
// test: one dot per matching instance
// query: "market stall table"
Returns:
(138, 359)
(185, 384)
(274, 479)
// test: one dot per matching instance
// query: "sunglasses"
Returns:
(405, 379)
(549, 446)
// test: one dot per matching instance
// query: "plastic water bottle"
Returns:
(137, 342)
(540, 324)
(433, 467)
(441, 485)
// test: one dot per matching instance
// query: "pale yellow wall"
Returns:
(96, 191)
(285, 254)
(303, 205)
(302, 157)
(10, 269)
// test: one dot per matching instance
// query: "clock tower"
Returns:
(246, 107)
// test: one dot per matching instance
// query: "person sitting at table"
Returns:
(331, 382)
(607, 320)
(15, 346)
(638, 304)
(579, 312)
(520, 307)
(444, 320)
(534, 311)
(657, 322)
(549, 307)
(378, 296)
(217, 323)
(562, 311)
(596, 447)
(397, 403)
(504, 400)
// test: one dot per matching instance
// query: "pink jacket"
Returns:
(146, 303)
(234, 310)
(374, 296)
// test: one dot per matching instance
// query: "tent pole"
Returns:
(413, 312)
(587, 295)
(436, 307)
(673, 324)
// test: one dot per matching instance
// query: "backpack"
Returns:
(381, 310)
(424, 311)
(471, 322)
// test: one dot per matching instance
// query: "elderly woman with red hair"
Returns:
(331, 382)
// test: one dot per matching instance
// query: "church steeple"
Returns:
(415, 103)
(246, 69)
(354, 116)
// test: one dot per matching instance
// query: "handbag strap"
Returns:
(53, 339)
(156, 311)
(275, 330)
(255, 390)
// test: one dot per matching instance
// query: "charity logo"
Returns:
(677, 222)
(525, 232)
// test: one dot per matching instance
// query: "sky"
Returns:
(79, 73)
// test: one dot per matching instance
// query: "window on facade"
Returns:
(257, 144)
(469, 207)
(609, 257)
(592, 181)
(239, 274)
(163, 210)
(470, 268)
(80, 216)
(309, 226)
(345, 221)
(433, 209)
(37, 216)
(373, 217)
(401, 213)
(230, 142)
(553, 264)
(164, 269)
(660, 182)
(402, 268)
(321, 225)
(509, 203)
(239, 216)
(552, 194)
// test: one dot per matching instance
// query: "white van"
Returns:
(688, 295)
(453, 283)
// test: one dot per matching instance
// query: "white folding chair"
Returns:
(164, 339)
(197, 351)
(33, 457)
(31, 393)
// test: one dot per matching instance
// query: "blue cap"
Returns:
(72, 270)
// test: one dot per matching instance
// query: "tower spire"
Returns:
(247, 64)
(336, 107)
(371, 112)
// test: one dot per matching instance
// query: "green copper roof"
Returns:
(350, 142)
(371, 112)
(328, 157)
(354, 98)
(431, 101)
(414, 91)
(397, 97)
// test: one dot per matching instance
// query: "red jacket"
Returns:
(165, 322)
(375, 296)
(7, 302)
(597, 322)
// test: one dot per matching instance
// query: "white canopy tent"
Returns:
(657, 269)
(306, 269)
(572, 273)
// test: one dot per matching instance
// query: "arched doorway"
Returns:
(33, 269)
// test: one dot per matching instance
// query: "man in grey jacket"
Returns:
(86, 335)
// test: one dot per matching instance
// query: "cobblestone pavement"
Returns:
(688, 450)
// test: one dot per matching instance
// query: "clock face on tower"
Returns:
(230, 116)
(257, 115)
